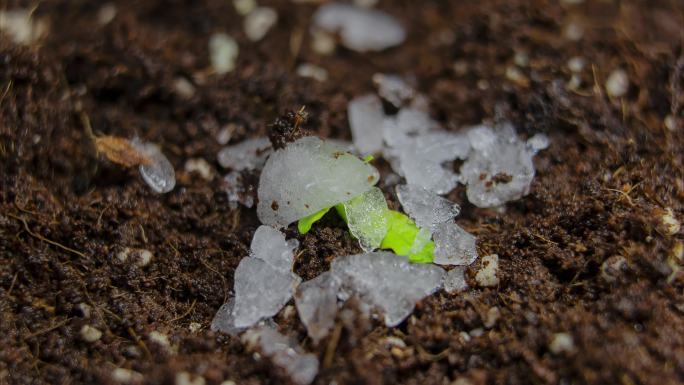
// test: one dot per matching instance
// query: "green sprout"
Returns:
(403, 236)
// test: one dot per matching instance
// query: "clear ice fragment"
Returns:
(269, 245)
(316, 302)
(156, 171)
(367, 218)
(455, 281)
(425, 207)
(453, 245)
(366, 119)
(249, 154)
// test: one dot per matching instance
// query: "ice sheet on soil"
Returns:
(316, 302)
(308, 176)
(360, 29)
(157, 171)
(284, 352)
(387, 282)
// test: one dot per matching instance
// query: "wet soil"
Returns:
(585, 253)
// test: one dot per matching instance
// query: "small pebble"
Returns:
(573, 31)
(84, 308)
(200, 166)
(315, 72)
(576, 64)
(185, 378)
(244, 7)
(561, 342)
(678, 250)
(516, 76)
(460, 67)
(670, 224)
(90, 333)
(126, 376)
(493, 315)
(183, 88)
(223, 52)
(195, 327)
(670, 123)
(613, 267)
(223, 136)
(477, 332)
(258, 22)
(322, 42)
(160, 339)
(106, 14)
(20, 25)
(228, 382)
(141, 257)
(617, 83)
(487, 275)
(521, 59)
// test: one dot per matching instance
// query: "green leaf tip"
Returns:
(304, 224)
(368, 158)
(401, 235)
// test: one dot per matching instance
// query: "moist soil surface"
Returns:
(588, 252)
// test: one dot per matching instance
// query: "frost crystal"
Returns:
(359, 28)
(308, 176)
(366, 121)
(425, 207)
(387, 282)
(250, 154)
(367, 218)
(285, 353)
(316, 302)
(453, 245)
(156, 171)
(269, 245)
(454, 280)
(500, 169)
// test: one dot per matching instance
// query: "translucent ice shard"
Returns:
(425, 207)
(269, 245)
(423, 160)
(393, 88)
(224, 321)
(455, 281)
(367, 218)
(260, 291)
(453, 245)
(366, 119)
(285, 353)
(387, 282)
(307, 176)
(360, 29)
(249, 154)
(500, 169)
(316, 302)
(156, 170)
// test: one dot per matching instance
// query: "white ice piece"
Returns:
(316, 302)
(224, 321)
(269, 245)
(300, 366)
(360, 29)
(156, 170)
(260, 291)
(453, 245)
(223, 52)
(387, 282)
(366, 119)
(500, 168)
(308, 176)
(249, 154)
(425, 207)
(393, 88)
(259, 21)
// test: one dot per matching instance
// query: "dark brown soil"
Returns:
(602, 189)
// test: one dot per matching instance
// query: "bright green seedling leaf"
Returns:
(401, 236)
(304, 224)
(368, 158)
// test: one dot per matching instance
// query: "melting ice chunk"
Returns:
(453, 245)
(455, 281)
(156, 170)
(224, 321)
(260, 291)
(367, 218)
(366, 119)
(316, 302)
(425, 207)
(308, 176)
(393, 88)
(249, 154)
(269, 245)
(422, 160)
(387, 282)
(360, 29)
(500, 169)
(285, 353)
(264, 282)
